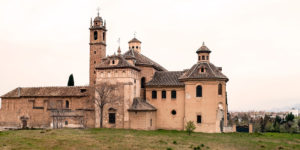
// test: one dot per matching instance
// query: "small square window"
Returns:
(199, 119)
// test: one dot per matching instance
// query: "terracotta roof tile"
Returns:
(211, 72)
(140, 104)
(134, 40)
(121, 63)
(166, 78)
(142, 60)
(67, 91)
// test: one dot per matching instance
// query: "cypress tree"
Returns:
(71, 80)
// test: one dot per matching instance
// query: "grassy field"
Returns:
(82, 139)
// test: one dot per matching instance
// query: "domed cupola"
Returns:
(203, 53)
(98, 21)
(135, 44)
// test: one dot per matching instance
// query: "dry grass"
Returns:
(131, 139)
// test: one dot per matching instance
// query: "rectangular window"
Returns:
(112, 118)
(173, 94)
(163, 94)
(199, 119)
(154, 94)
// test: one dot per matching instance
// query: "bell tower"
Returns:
(97, 45)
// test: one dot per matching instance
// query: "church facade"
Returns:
(149, 96)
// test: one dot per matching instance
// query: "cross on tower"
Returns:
(119, 41)
(98, 9)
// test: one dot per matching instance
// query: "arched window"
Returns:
(202, 69)
(154, 94)
(113, 61)
(220, 89)
(103, 36)
(173, 94)
(95, 35)
(203, 57)
(67, 104)
(143, 81)
(199, 91)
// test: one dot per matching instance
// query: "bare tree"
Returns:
(58, 113)
(105, 94)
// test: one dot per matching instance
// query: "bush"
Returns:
(282, 128)
(190, 127)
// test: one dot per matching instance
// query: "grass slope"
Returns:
(132, 139)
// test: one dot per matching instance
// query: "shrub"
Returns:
(190, 127)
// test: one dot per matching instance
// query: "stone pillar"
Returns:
(234, 128)
(250, 128)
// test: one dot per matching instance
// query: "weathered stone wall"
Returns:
(128, 82)
(37, 111)
(143, 120)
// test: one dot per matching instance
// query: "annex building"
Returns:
(150, 96)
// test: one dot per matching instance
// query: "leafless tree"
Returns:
(106, 93)
(58, 113)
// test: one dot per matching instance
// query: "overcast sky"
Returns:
(257, 42)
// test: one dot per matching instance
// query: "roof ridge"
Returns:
(193, 70)
(52, 87)
(210, 68)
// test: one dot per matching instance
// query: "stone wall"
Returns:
(37, 112)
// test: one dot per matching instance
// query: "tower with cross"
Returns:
(97, 45)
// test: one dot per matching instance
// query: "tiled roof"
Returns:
(203, 49)
(134, 40)
(121, 63)
(142, 60)
(211, 72)
(67, 91)
(140, 104)
(166, 78)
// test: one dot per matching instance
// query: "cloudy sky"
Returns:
(257, 42)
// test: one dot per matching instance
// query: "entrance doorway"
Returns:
(24, 124)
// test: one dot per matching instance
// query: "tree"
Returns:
(190, 127)
(276, 123)
(105, 94)
(58, 113)
(71, 80)
(289, 118)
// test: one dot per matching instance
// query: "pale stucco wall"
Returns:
(206, 106)
(164, 118)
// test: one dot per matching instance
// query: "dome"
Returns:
(98, 19)
(203, 49)
(134, 40)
